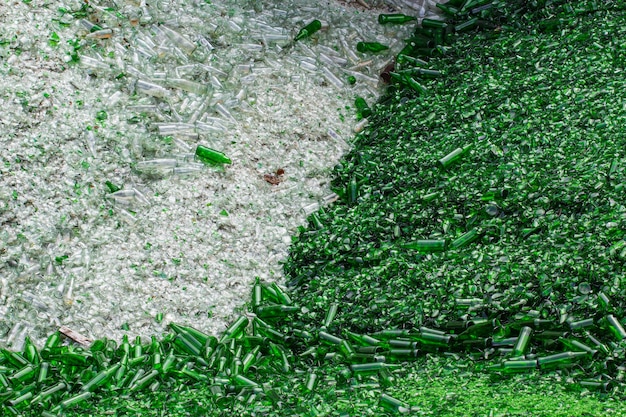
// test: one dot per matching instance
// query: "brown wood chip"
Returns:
(275, 179)
(77, 337)
(272, 179)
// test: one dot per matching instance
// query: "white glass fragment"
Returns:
(151, 89)
(179, 40)
(332, 78)
(91, 143)
(94, 65)
(190, 86)
(166, 129)
(308, 66)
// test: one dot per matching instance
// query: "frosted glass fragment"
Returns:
(13, 334)
(251, 47)
(151, 89)
(100, 34)
(224, 112)
(189, 168)
(156, 166)
(332, 78)
(91, 143)
(166, 129)
(308, 66)
(179, 40)
(190, 86)
(94, 65)
(326, 59)
(211, 127)
(216, 83)
(89, 26)
(281, 39)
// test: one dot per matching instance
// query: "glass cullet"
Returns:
(370, 47)
(308, 30)
(210, 156)
(396, 18)
(363, 110)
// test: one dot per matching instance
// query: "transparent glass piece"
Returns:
(94, 65)
(151, 89)
(179, 40)
(332, 78)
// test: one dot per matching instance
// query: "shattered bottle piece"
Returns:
(364, 47)
(396, 18)
(308, 30)
(211, 156)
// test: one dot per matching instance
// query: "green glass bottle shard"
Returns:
(273, 311)
(427, 245)
(408, 81)
(75, 400)
(392, 404)
(473, 4)
(470, 24)
(415, 86)
(211, 156)
(465, 239)
(363, 340)
(374, 47)
(421, 72)
(352, 191)
(615, 327)
(449, 10)
(236, 329)
(561, 360)
(514, 366)
(421, 41)
(100, 378)
(24, 375)
(434, 24)
(330, 315)
(112, 187)
(406, 59)
(495, 194)
(395, 18)
(522, 341)
(308, 30)
(49, 392)
(311, 382)
(577, 346)
(281, 296)
(362, 109)
(454, 156)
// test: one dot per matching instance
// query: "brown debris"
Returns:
(276, 178)
(75, 336)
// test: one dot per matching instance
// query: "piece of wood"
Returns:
(75, 336)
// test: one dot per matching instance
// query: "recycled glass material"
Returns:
(211, 156)
(454, 156)
(363, 110)
(427, 246)
(309, 29)
(435, 24)
(389, 204)
(468, 25)
(372, 47)
(396, 18)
